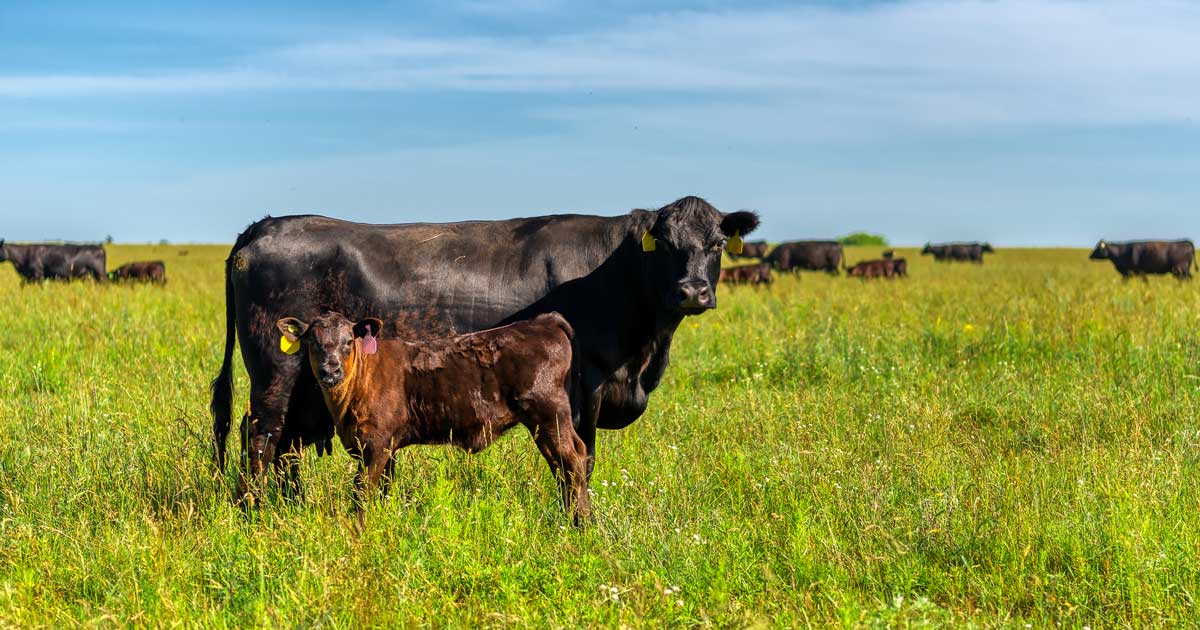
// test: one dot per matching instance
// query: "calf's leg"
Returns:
(376, 458)
(567, 456)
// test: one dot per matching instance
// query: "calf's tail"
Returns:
(222, 386)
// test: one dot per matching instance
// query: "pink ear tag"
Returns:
(368, 344)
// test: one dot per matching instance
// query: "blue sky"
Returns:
(1022, 122)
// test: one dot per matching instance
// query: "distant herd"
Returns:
(43, 261)
(383, 336)
(1132, 258)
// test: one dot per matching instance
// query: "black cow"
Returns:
(1139, 258)
(755, 249)
(623, 283)
(960, 252)
(811, 255)
(39, 262)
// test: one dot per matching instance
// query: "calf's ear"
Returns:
(368, 327)
(741, 222)
(291, 328)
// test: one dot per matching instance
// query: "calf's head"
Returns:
(927, 250)
(987, 247)
(332, 343)
(682, 253)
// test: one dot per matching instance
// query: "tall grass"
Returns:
(1010, 444)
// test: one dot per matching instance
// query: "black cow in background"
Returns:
(824, 256)
(1139, 258)
(37, 262)
(755, 249)
(960, 252)
(624, 284)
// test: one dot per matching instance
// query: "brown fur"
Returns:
(747, 274)
(464, 390)
(143, 271)
(885, 268)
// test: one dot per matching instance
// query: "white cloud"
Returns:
(922, 62)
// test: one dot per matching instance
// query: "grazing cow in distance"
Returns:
(753, 249)
(37, 262)
(144, 271)
(884, 268)
(747, 274)
(624, 283)
(824, 256)
(466, 390)
(960, 252)
(1140, 258)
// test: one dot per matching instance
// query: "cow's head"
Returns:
(332, 343)
(928, 249)
(3, 251)
(685, 243)
(987, 247)
(1103, 251)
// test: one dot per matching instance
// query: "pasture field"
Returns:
(1010, 445)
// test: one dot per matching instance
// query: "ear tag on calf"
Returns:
(368, 344)
(288, 346)
(648, 243)
(735, 244)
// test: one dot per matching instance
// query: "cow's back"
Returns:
(440, 278)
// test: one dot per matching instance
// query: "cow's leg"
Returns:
(264, 431)
(567, 456)
(589, 417)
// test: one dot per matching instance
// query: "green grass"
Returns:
(1003, 445)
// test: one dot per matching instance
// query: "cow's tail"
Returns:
(222, 386)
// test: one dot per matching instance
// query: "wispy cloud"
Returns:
(926, 62)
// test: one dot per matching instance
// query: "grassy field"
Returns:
(1008, 445)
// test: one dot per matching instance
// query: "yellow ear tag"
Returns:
(735, 244)
(647, 242)
(287, 345)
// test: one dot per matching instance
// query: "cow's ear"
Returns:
(368, 327)
(291, 328)
(741, 222)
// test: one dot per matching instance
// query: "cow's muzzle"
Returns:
(696, 296)
(330, 375)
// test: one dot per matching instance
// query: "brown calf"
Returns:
(145, 271)
(747, 274)
(886, 268)
(385, 394)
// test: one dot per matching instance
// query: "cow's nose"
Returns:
(330, 373)
(695, 294)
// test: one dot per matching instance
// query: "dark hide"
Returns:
(1139, 258)
(958, 252)
(39, 262)
(807, 255)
